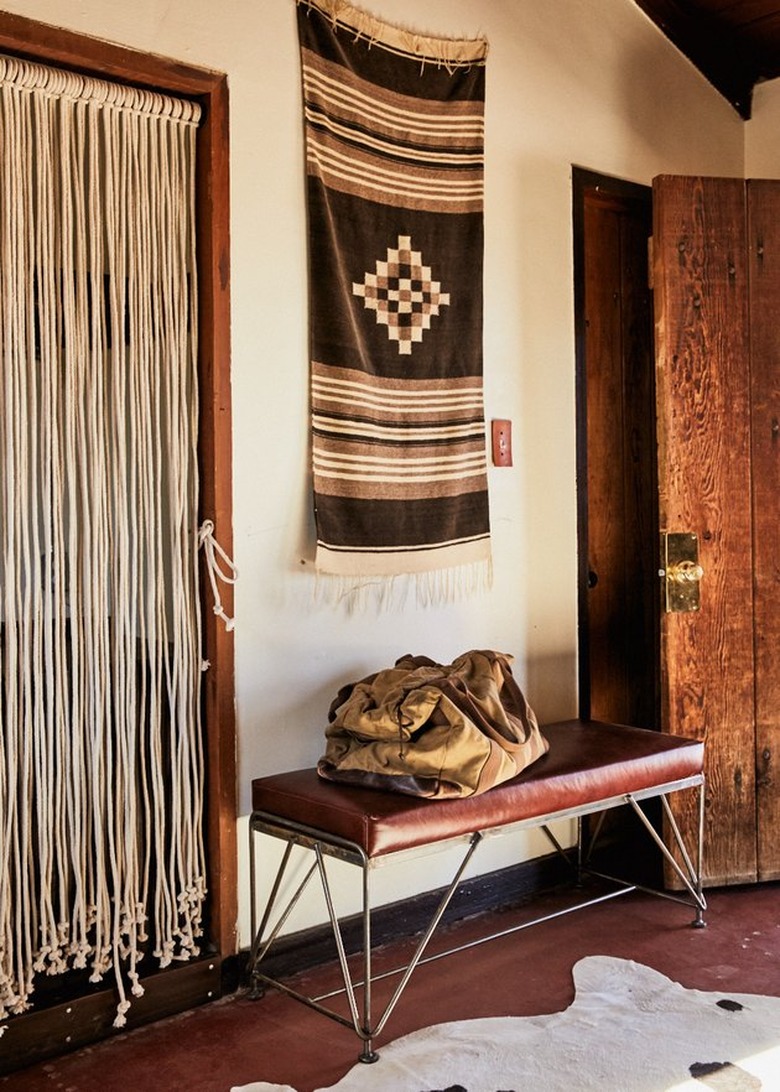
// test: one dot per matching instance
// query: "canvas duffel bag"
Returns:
(431, 729)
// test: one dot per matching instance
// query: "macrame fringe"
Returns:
(59, 84)
(447, 53)
(100, 662)
(440, 587)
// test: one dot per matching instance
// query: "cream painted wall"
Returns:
(586, 82)
(762, 142)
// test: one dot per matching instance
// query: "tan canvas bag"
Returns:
(433, 730)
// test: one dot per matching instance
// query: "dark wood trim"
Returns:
(585, 181)
(104, 60)
(763, 205)
(49, 44)
(215, 447)
(59, 1029)
(712, 46)
(581, 181)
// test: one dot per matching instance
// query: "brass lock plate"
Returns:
(680, 571)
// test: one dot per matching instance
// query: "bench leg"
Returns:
(367, 1055)
(689, 873)
(361, 1018)
(368, 1032)
(259, 945)
(575, 859)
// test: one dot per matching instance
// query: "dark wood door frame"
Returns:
(589, 189)
(47, 44)
(764, 271)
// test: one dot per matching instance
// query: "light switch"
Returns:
(502, 443)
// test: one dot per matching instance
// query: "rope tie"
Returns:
(211, 548)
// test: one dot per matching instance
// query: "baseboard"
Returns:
(37, 1035)
(311, 947)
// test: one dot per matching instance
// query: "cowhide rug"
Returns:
(629, 1029)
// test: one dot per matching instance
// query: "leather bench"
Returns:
(590, 767)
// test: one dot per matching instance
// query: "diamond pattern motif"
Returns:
(403, 295)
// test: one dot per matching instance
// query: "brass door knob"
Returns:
(684, 572)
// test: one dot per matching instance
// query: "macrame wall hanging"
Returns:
(101, 765)
(395, 164)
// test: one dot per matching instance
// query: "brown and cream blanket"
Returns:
(394, 165)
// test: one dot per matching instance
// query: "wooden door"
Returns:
(703, 397)
(716, 274)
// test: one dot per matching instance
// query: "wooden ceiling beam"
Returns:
(709, 45)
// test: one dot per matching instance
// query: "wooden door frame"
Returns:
(764, 273)
(583, 181)
(34, 41)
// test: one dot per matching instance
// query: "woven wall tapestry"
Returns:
(395, 163)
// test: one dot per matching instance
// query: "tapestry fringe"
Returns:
(448, 53)
(439, 587)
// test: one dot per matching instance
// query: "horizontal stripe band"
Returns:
(389, 158)
(380, 196)
(420, 548)
(355, 138)
(429, 406)
(328, 165)
(397, 433)
(333, 458)
(339, 85)
(399, 470)
(400, 479)
(397, 395)
(336, 376)
(377, 118)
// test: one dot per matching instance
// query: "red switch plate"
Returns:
(502, 443)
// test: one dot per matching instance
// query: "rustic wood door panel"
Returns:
(703, 420)
(764, 265)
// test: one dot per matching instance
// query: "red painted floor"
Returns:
(235, 1041)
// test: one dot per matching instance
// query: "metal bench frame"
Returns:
(359, 990)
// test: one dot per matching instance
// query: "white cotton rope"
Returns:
(211, 548)
(101, 753)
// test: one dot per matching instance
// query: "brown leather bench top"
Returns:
(587, 762)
